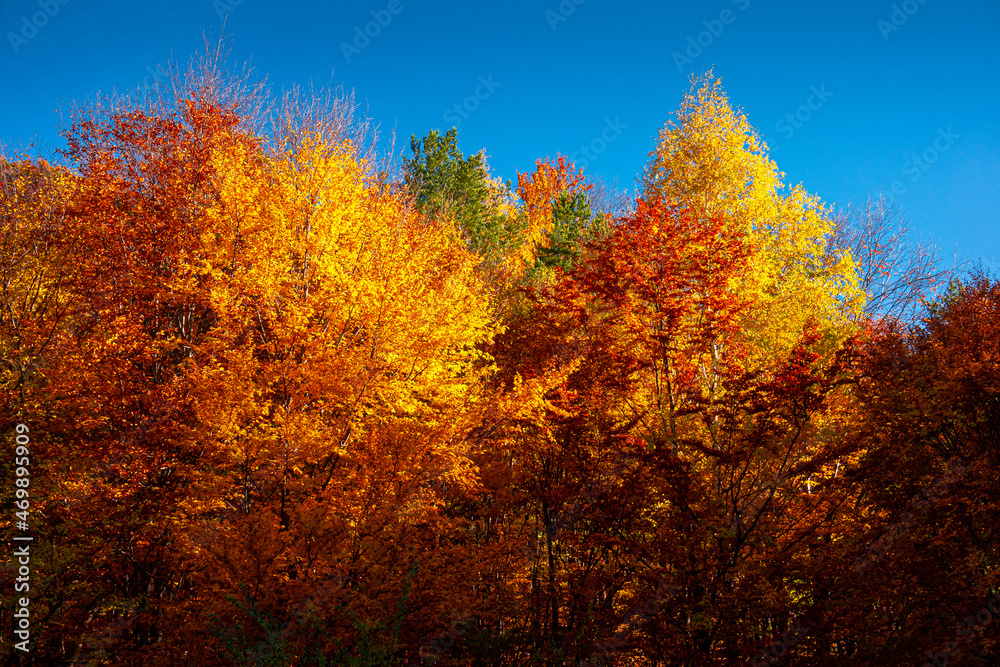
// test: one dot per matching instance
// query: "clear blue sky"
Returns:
(913, 100)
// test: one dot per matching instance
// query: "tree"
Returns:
(919, 558)
(713, 161)
(266, 378)
(896, 274)
(559, 221)
(33, 273)
(286, 407)
(445, 182)
(637, 454)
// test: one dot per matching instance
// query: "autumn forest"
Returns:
(285, 399)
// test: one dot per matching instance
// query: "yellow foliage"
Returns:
(713, 161)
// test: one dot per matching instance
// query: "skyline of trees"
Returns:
(291, 405)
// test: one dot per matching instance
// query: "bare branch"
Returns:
(896, 273)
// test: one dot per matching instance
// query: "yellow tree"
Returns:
(557, 216)
(38, 260)
(265, 383)
(712, 160)
(34, 270)
(350, 344)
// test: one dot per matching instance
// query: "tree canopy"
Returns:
(288, 408)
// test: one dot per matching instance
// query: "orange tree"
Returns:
(908, 582)
(638, 444)
(262, 386)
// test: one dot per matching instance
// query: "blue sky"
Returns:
(854, 97)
